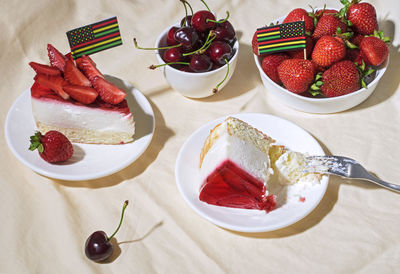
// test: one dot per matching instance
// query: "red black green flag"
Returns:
(94, 38)
(284, 37)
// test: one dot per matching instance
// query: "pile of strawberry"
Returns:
(343, 49)
(76, 80)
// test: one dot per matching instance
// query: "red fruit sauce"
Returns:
(40, 91)
(229, 185)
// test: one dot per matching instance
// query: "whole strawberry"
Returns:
(340, 79)
(328, 25)
(300, 15)
(254, 43)
(270, 65)
(373, 50)
(53, 147)
(296, 74)
(328, 50)
(363, 17)
(354, 55)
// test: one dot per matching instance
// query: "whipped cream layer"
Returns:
(242, 153)
(66, 115)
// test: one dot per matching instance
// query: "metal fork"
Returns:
(344, 167)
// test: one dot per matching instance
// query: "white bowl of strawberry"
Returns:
(198, 55)
(346, 58)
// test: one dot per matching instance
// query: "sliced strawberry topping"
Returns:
(68, 56)
(45, 69)
(57, 59)
(107, 91)
(79, 60)
(53, 82)
(85, 95)
(88, 67)
(74, 76)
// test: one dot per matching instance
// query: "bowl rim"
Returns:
(381, 69)
(194, 74)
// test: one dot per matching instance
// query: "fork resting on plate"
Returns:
(344, 167)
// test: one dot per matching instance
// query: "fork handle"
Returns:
(387, 185)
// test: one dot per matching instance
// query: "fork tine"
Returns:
(330, 164)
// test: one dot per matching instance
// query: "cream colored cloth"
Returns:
(45, 222)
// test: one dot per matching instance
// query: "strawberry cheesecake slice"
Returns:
(235, 167)
(74, 98)
(94, 123)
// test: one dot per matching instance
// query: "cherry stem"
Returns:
(187, 3)
(205, 5)
(220, 21)
(172, 63)
(205, 46)
(169, 47)
(120, 221)
(215, 90)
(186, 13)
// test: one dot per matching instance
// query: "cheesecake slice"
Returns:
(95, 123)
(235, 167)
(74, 98)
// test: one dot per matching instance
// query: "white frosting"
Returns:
(290, 166)
(62, 115)
(242, 153)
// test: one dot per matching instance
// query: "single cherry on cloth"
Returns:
(200, 22)
(219, 51)
(187, 36)
(225, 31)
(200, 63)
(98, 246)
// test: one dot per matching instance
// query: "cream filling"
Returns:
(55, 113)
(242, 153)
(290, 166)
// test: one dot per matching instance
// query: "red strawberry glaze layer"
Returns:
(231, 186)
(41, 92)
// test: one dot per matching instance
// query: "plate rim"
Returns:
(92, 176)
(223, 224)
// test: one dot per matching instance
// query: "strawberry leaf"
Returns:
(363, 84)
(36, 142)
(369, 71)
(315, 92)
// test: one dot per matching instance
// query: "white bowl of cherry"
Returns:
(197, 55)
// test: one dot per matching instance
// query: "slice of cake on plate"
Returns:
(235, 167)
(236, 164)
(73, 97)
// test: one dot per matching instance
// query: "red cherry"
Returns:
(186, 69)
(173, 55)
(187, 36)
(171, 36)
(219, 51)
(225, 31)
(200, 63)
(199, 20)
(98, 247)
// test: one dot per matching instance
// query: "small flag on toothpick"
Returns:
(94, 38)
(284, 37)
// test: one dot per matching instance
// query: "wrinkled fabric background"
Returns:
(45, 222)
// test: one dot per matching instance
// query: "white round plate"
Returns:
(89, 161)
(285, 133)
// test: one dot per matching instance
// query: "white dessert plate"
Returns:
(89, 161)
(288, 212)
